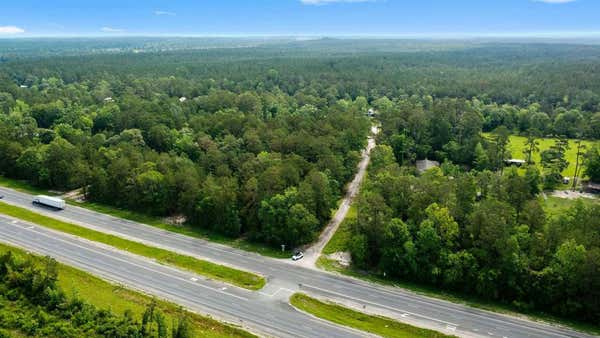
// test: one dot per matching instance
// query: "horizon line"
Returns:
(446, 35)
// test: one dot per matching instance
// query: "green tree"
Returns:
(532, 145)
(593, 164)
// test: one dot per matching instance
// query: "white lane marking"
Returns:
(451, 328)
(276, 292)
(379, 305)
(132, 263)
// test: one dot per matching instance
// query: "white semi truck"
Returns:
(48, 201)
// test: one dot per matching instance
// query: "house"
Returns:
(516, 162)
(182, 99)
(23, 86)
(108, 99)
(371, 112)
(424, 165)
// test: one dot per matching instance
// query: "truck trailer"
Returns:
(48, 201)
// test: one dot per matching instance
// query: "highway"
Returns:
(261, 313)
(284, 277)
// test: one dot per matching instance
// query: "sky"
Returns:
(25, 18)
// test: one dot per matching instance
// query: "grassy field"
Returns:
(517, 144)
(109, 296)
(554, 206)
(223, 273)
(384, 327)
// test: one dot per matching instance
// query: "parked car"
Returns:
(297, 255)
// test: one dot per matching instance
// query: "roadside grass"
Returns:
(211, 270)
(22, 186)
(382, 326)
(106, 295)
(240, 243)
(555, 206)
(333, 266)
(339, 240)
(517, 144)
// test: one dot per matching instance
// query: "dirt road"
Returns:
(312, 253)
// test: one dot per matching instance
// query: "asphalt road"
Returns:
(285, 277)
(266, 314)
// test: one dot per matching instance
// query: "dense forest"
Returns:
(259, 139)
(475, 225)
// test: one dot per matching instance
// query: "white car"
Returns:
(297, 255)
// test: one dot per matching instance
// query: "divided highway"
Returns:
(249, 309)
(267, 310)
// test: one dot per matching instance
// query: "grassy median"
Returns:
(105, 295)
(381, 326)
(215, 271)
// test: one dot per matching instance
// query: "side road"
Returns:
(312, 253)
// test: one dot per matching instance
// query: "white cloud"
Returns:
(555, 1)
(112, 30)
(11, 30)
(325, 2)
(159, 13)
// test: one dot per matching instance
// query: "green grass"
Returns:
(22, 186)
(105, 295)
(554, 206)
(517, 144)
(382, 326)
(211, 270)
(339, 240)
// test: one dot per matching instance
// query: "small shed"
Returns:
(182, 99)
(108, 99)
(424, 165)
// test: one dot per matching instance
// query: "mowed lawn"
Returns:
(517, 144)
